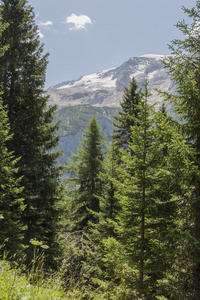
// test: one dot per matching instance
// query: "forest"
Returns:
(125, 223)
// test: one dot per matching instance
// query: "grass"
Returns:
(17, 283)
(16, 286)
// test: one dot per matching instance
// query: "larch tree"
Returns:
(22, 77)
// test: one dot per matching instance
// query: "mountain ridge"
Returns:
(100, 94)
(106, 88)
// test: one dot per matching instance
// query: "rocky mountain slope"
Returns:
(106, 88)
(100, 94)
(74, 119)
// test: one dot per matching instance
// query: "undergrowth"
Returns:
(19, 283)
(16, 286)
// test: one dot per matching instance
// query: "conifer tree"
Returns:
(124, 122)
(85, 186)
(11, 202)
(148, 197)
(87, 165)
(94, 267)
(135, 196)
(109, 204)
(184, 68)
(22, 77)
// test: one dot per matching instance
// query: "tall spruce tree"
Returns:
(124, 122)
(184, 69)
(11, 202)
(87, 165)
(86, 186)
(142, 253)
(135, 196)
(22, 77)
(109, 204)
(94, 267)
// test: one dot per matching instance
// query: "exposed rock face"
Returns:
(106, 88)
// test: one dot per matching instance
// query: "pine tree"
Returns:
(22, 77)
(183, 67)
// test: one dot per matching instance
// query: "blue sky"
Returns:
(87, 36)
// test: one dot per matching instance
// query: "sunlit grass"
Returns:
(14, 285)
(19, 283)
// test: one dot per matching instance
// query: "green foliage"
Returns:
(75, 118)
(183, 67)
(130, 221)
(95, 268)
(134, 248)
(130, 100)
(83, 204)
(22, 78)
(109, 204)
(11, 201)
(15, 285)
(87, 165)
(137, 220)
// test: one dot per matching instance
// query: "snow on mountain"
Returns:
(97, 80)
(155, 56)
(106, 88)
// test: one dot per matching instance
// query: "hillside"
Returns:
(100, 94)
(74, 119)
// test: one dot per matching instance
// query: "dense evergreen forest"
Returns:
(126, 223)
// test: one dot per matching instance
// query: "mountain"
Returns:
(106, 88)
(100, 94)
(74, 119)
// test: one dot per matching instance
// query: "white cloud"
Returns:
(40, 34)
(78, 22)
(46, 26)
(47, 23)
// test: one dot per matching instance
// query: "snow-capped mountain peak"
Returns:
(106, 88)
(96, 81)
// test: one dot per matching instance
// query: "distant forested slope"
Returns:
(73, 121)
